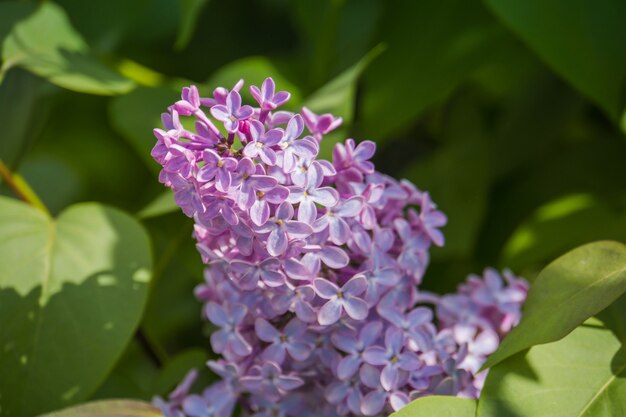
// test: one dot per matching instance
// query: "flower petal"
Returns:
(325, 196)
(265, 331)
(373, 403)
(389, 377)
(348, 366)
(324, 288)
(356, 286)
(330, 313)
(355, 308)
(277, 242)
(376, 355)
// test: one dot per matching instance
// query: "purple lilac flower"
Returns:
(313, 269)
(267, 97)
(228, 338)
(217, 167)
(347, 342)
(294, 148)
(341, 299)
(320, 125)
(392, 358)
(311, 193)
(232, 112)
(281, 229)
(338, 228)
(291, 341)
(268, 380)
(262, 142)
(264, 271)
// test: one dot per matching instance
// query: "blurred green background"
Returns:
(509, 112)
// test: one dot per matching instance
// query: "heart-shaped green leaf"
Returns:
(582, 375)
(72, 291)
(571, 289)
(439, 406)
(109, 408)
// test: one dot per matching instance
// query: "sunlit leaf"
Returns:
(571, 289)
(72, 291)
(110, 408)
(549, 232)
(438, 406)
(46, 44)
(582, 375)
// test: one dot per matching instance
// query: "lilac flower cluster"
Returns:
(313, 268)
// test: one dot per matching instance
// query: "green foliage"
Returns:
(20, 99)
(447, 39)
(188, 20)
(134, 116)
(72, 293)
(438, 406)
(571, 289)
(577, 39)
(497, 108)
(110, 408)
(47, 45)
(582, 375)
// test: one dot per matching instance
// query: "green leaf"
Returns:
(549, 231)
(457, 176)
(176, 368)
(432, 46)
(135, 115)
(190, 11)
(46, 44)
(110, 408)
(72, 291)
(164, 203)
(614, 318)
(172, 320)
(578, 39)
(558, 173)
(438, 406)
(253, 70)
(338, 97)
(133, 376)
(22, 112)
(582, 375)
(11, 13)
(571, 289)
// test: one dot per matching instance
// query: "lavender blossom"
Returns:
(341, 299)
(313, 269)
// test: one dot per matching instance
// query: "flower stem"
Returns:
(21, 189)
